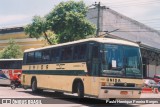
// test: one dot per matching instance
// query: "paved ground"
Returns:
(58, 99)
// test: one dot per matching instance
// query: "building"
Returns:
(115, 25)
(23, 40)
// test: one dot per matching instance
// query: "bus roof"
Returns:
(11, 59)
(101, 40)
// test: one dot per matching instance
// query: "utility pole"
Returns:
(98, 18)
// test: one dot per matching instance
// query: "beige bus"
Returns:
(96, 67)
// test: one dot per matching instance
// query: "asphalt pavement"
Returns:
(61, 100)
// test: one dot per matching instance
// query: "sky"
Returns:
(20, 12)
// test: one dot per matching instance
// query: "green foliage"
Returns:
(11, 51)
(52, 37)
(67, 20)
(38, 28)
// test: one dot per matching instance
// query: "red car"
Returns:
(156, 78)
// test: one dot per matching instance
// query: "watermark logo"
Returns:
(6, 101)
(21, 101)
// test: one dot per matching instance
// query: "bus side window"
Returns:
(55, 55)
(79, 52)
(46, 56)
(76, 53)
(95, 61)
(66, 53)
(24, 59)
(62, 58)
(83, 50)
(6, 64)
(30, 57)
(38, 56)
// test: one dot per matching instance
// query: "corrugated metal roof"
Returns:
(128, 28)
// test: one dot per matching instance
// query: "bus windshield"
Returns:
(121, 61)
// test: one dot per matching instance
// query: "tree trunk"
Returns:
(46, 37)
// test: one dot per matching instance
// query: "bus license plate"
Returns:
(124, 92)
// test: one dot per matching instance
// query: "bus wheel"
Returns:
(34, 86)
(80, 90)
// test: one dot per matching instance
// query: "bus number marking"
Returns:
(60, 66)
(33, 67)
(113, 80)
(30, 67)
(46, 66)
(41, 67)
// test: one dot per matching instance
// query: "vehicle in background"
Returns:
(159, 86)
(156, 78)
(149, 83)
(8, 69)
(152, 84)
(16, 81)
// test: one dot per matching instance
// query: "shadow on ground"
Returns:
(60, 98)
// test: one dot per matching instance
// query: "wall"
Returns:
(23, 40)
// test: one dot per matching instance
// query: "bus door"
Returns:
(94, 67)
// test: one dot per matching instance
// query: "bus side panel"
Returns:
(26, 79)
(63, 83)
(60, 82)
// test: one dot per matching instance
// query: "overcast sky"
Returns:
(20, 12)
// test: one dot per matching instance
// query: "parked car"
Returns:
(152, 84)
(159, 86)
(156, 78)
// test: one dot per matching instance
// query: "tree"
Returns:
(38, 28)
(67, 21)
(11, 51)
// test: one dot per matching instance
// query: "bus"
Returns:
(9, 68)
(94, 67)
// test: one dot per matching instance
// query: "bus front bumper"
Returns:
(119, 92)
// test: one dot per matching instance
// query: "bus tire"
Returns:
(80, 90)
(34, 86)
